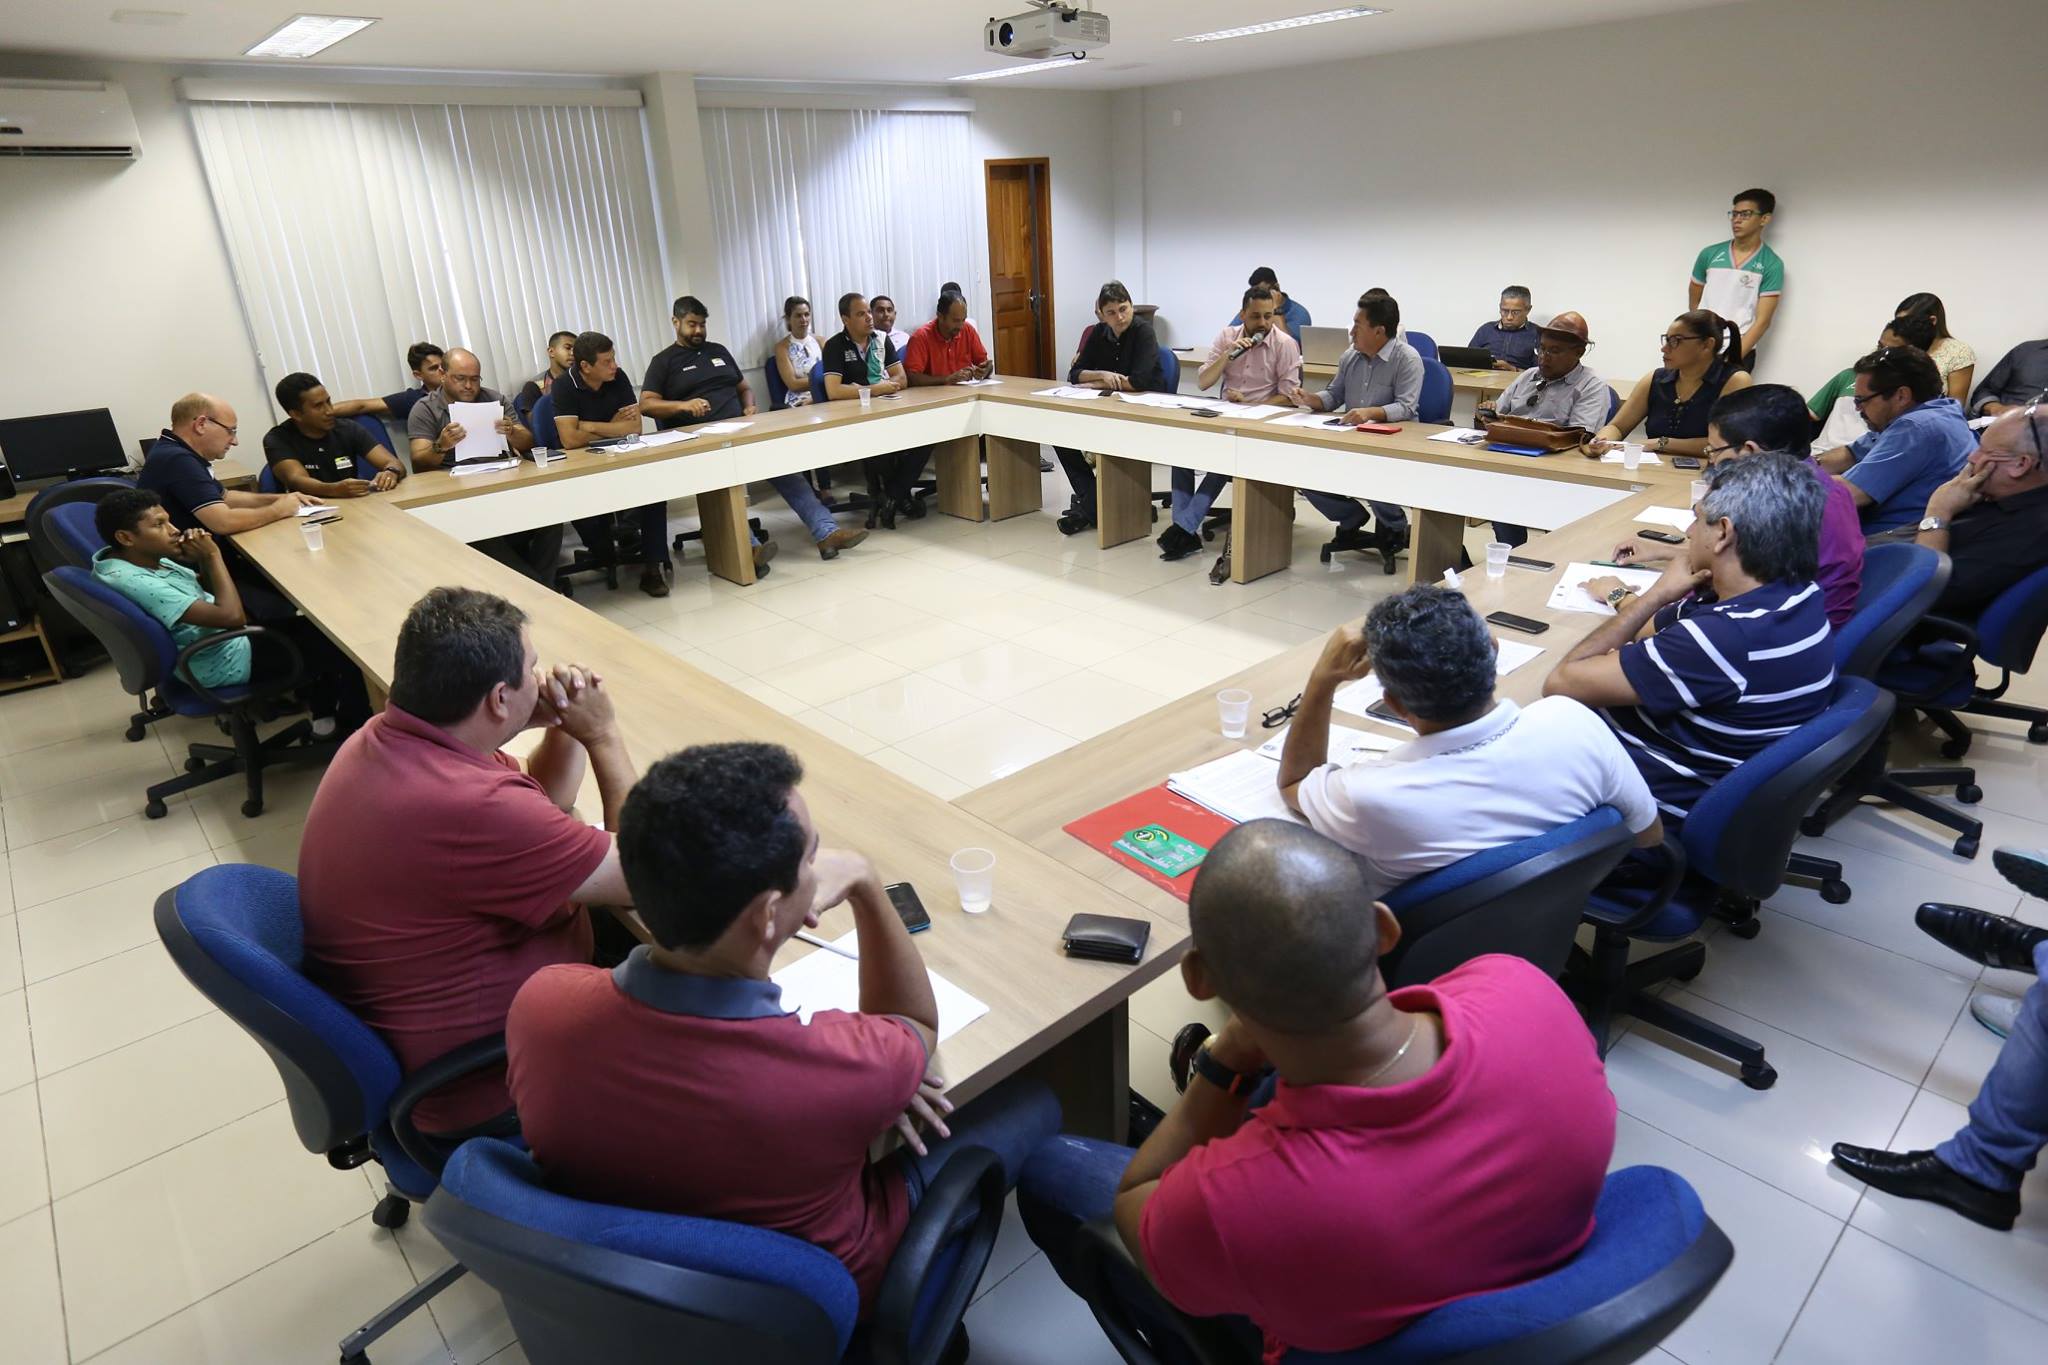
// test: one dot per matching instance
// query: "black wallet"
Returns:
(1106, 938)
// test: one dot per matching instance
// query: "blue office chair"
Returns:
(540, 420)
(1653, 1257)
(234, 931)
(1169, 370)
(585, 1282)
(1734, 849)
(1424, 344)
(1900, 582)
(73, 532)
(149, 660)
(1613, 401)
(1939, 676)
(71, 539)
(1524, 898)
(1435, 403)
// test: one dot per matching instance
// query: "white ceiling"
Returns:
(876, 41)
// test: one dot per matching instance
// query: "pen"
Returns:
(817, 942)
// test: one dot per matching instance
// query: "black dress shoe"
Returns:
(2026, 868)
(1921, 1175)
(1353, 538)
(1073, 522)
(1174, 543)
(1390, 543)
(1994, 940)
(911, 508)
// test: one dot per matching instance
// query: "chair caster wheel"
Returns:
(1966, 847)
(392, 1211)
(1813, 827)
(1207, 535)
(1324, 554)
(1956, 748)
(194, 764)
(2037, 733)
(133, 734)
(357, 1359)
(1689, 974)
(1747, 928)
(252, 809)
(1760, 1077)
(1969, 793)
(155, 810)
(1835, 892)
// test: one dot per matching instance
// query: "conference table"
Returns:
(1480, 384)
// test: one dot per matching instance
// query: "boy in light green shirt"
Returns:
(1742, 279)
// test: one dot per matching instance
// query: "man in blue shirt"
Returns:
(1287, 313)
(1918, 438)
(429, 365)
(1512, 340)
(1379, 379)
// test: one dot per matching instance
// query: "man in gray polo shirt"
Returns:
(1379, 379)
(433, 438)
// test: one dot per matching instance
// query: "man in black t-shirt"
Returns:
(311, 451)
(697, 380)
(561, 348)
(595, 401)
(859, 357)
(1119, 353)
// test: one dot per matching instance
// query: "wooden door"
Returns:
(1020, 267)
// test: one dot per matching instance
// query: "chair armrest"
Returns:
(430, 1152)
(1674, 875)
(244, 633)
(912, 1322)
(1134, 1315)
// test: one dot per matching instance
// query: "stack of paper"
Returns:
(1464, 436)
(1312, 419)
(1677, 518)
(1239, 786)
(827, 981)
(482, 467)
(1252, 412)
(1356, 697)
(1347, 746)
(481, 439)
(1067, 391)
(977, 383)
(722, 428)
(1570, 593)
(1642, 457)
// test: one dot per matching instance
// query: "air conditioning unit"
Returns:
(67, 118)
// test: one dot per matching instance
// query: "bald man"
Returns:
(433, 436)
(1388, 1173)
(1991, 519)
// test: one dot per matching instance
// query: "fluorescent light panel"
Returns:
(308, 34)
(1055, 64)
(1328, 16)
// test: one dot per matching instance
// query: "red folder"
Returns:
(1153, 806)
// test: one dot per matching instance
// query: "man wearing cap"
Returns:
(1558, 388)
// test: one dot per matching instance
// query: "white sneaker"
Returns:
(1995, 1012)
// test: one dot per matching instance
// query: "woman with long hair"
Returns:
(1952, 356)
(1701, 352)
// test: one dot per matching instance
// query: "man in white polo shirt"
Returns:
(1481, 771)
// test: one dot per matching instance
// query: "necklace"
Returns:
(1399, 1053)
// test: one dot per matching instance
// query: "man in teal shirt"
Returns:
(148, 560)
(1742, 278)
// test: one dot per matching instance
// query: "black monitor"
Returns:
(58, 444)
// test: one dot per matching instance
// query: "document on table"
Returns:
(1067, 391)
(1347, 745)
(1464, 436)
(1644, 457)
(1570, 592)
(654, 438)
(722, 428)
(1239, 786)
(1253, 412)
(482, 467)
(978, 383)
(1312, 419)
(481, 439)
(1356, 697)
(1677, 518)
(827, 981)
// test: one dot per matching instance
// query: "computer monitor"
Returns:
(57, 444)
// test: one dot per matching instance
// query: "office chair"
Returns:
(72, 532)
(1435, 403)
(1939, 677)
(1734, 849)
(1524, 898)
(600, 552)
(75, 539)
(1613, 401)
(149, 660)
(589, 1282)
(1424, 344)
(1653, 1257)
(235, 933)
(1900, 582)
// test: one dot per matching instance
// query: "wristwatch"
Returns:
(1614, 595)
(1222, 1077)
(1934, 523)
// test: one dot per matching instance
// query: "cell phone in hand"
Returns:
(1662, 537)
(1514, 622)
(909, 908)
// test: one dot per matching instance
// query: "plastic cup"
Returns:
(867, 396)
(974, 874)
(1699, 490)
(1497, 559)
(1233, 709)
(315, 537)
(1631, 456)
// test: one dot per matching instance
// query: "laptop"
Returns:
(1324, 345)
(1466, 357)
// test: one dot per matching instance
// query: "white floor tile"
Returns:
(865, 621)
(1780, 1246)
(287, 796)
(69, 932)
(30, 1305)
(808, 599)
(981, 747)
(1884, 893)
(1151, 1066)
(469, 1312)
(1006, 615)
(1184, 601)
(108, 1004)
(56, 765)
(17, 1060)
(95, 799)
(903, 707)
(160, 1236)
(1318, 608)
(24, 1184)
(1966, 1055)
(1033, 1319)
(1083, 639)
(1781, 1135)
(1012, 1249)
(828, 677)
(1163, 1005)
(275, 844)
(1247, 634)
(758, 651)
(94, 857)
(926, 642)
(941, 785)
(125, 1106)
(1170, 668)
(1083, 705)
(838, 731)
(10, 955)
(1883, 829)
(1874, 1303)
(718, 621)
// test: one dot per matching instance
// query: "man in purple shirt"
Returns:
(1774, 417)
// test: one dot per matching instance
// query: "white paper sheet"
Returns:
(1677, 518)
(1355, 697)
(481, 439)
(722, 428)
(653, 439)
(1067, 391)
(1239, 786)
(1645, 457)
(317, 509)
(482, 467)
(827, 981)
(978, 383)
(1254, 412)
(1463, 436)
(1312, 419)
(1346, 744)
(1570, 592)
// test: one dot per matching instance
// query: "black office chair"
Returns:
(149, 661)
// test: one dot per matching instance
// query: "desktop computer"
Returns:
(60, 445)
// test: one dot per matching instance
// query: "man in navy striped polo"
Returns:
(1726, 652)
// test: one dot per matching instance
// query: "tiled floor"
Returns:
(155, 1207)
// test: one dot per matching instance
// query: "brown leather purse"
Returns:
(1548, 437)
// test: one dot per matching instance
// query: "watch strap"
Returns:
(1222, 1077)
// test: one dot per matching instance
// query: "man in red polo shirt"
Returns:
(1420, 1145)
(685, 1050)
(435, 874)
(946, 350)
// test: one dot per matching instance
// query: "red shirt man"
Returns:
(946, 350)
(435, 874)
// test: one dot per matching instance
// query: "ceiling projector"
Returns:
(1047, 31)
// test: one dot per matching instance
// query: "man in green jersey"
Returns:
(1742, 278)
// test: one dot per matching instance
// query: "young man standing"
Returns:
(313, 451)
(1742, 278)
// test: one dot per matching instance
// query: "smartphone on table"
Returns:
(909, 908)
(1514, 622)
(1662, 537)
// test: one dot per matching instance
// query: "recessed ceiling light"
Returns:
(308, 34)
(1328, 16)
(1056, 64)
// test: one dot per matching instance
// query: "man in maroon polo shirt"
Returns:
(685, 1049)
(435, 874)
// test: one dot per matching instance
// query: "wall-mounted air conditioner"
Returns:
(67, 118)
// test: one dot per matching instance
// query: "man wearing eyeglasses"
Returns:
(1512, 340)
(1991, 519)
(1742, 278)
(1557, 388)
(1917, 439)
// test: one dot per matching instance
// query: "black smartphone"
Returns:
(1662, 537)
(1379, 710)
(1685, 462)
(909, 908)
(1203, 412)
(1524, 562)
(1514, 622)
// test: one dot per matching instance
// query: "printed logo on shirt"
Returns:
(716, 362)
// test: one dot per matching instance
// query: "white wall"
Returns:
(115, 282)
(1895, 135)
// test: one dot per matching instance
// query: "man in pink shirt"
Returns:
(1420, 1145)
(1255, 360)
